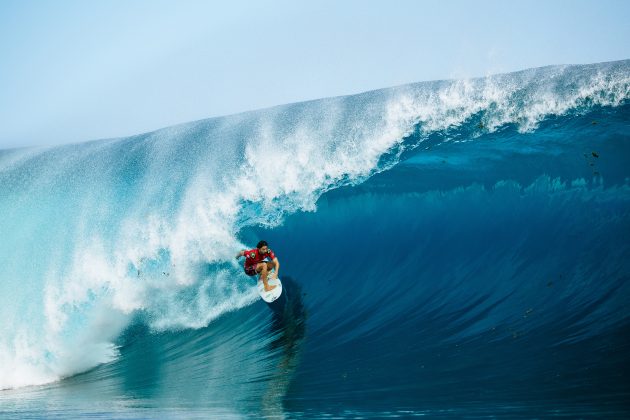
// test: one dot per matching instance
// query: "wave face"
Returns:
(448, 248)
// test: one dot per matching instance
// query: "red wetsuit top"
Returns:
(253, 257)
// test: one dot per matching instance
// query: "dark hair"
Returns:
(261, 244)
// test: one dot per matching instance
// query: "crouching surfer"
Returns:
(260, 260)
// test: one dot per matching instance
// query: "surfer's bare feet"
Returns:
(268, 288)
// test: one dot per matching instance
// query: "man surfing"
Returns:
(260, 260)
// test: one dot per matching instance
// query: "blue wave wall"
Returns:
(456, 244)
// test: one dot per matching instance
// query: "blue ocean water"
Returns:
(448, 249)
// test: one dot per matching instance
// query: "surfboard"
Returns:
(272, 295)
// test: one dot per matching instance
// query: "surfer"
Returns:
(260, 260)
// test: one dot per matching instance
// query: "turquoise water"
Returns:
(449, 249)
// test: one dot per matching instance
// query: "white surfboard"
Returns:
(271, 295)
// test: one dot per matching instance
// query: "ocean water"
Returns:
(448, 249)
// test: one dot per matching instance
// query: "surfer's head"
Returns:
(263, 247)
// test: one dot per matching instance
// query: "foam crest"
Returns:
(524, 98)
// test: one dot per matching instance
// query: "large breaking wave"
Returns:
(467, 228)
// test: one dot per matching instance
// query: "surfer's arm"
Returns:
(277, 264)
(240, 254)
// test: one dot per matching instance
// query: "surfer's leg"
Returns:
(262, 269)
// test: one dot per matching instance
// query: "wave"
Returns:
(142, 230)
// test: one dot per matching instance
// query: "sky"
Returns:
(73, 71)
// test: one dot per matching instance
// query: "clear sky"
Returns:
(73, 71)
